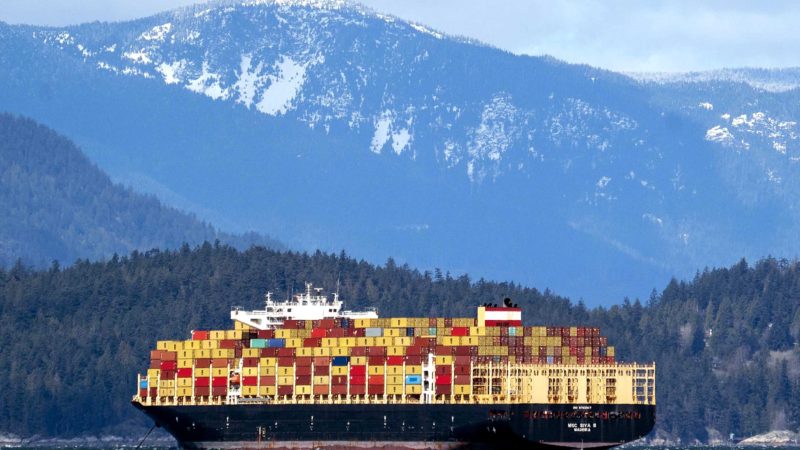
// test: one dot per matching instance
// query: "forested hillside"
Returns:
(57, 205)
(74, 338)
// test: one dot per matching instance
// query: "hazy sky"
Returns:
(620, 35)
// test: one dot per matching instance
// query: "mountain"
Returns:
(725, 344)
(334, 126)
(58, 206)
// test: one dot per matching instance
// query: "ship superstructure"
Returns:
(305, 374)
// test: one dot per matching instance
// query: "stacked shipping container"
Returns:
(361, 357)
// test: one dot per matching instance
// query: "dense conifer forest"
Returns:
(73, 338)
(56, 204)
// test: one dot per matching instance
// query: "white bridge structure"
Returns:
(309, 305)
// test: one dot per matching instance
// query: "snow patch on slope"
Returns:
(249, 80)
(283, 87)
(171, 72)
(493, 136)
(386, 130)
(208, 83)
(157, 33)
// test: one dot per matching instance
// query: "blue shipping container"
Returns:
(340, 360)
(413, 379)
(373, 332)
(549, 360)
(409, 332)
(432, 331)
(276, 342)
(258, 343)
(143, 384)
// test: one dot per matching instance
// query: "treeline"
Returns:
(73, 339)
(56, 204)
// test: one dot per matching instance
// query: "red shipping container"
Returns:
(443, 389)
(358, 370)
(462, 360)
(321, 389)
(228, 344)
(462, 379)
(169, 356)
(285, 352)
(376, 360)
(155, 354)
(444, 379)
(375, 389)
(319, 333)
(220, 363)
(269, 352)
(302, 370)
(198, 335)
(202, 382)
(413, 360)
(202, 363)
(292, 324)
(143, 392)
(339, 379)
(285, 390)
(265, 334)
(394, 360)
(322, 360)
(413, 350)
(461, 351)
(305, 361)
(461, 370)
(249, 381)
(312, 342)
(250, 362)
(376, 351)
(285, 362)
(219, 381)
(376, 379)
(360, 389)
(219, 391)
(358, 351)
(303, 380)
(322, 370)
(155, 364)
(237, 353)
(339, 389)
(460, 331)
(153, 392)
(358, 380)
(185, 372)
(268, 380)
(167, 375)
(444, 370)
(443, 350)
(202, 391)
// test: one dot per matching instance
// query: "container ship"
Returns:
(303, 373)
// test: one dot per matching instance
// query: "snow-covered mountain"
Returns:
(330, 125)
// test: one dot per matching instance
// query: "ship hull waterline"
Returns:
(403, 426)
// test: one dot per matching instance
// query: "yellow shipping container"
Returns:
(395, 351)
(462, 389)
(305, 351)
(294, 342)
(358, 360)
(267, 370)
(249, 371)
(394, 379)
(413, 370)
(384, 341)
(216, 335)
(401, 341)
(286, 381)
(340, 351)
(321, 351)
(285, 371)
(444, 360)
(302, 390)
(339, 370)
(193, 345)
(610, 351)
(203, 353)
(283, 333)
(330, 342)
(170, 392)
(269, 361)
(184, 382)
(413, 389)
(184, 392)
(394, 389)
(202, 372)
(321, 380)
(219, 372)
(209, 345)
(222, 353)
(267, 390)
(452, 340)
(166, 384)
(477, 331)
(185, 354)
(251, 352)
(394, 370)
(153, 373)
(250, 391)
(376, 370)
(398, 322)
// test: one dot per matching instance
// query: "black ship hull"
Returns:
(403, 425)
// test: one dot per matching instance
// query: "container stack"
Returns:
(358, 357)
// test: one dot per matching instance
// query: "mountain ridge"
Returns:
(441, 148)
